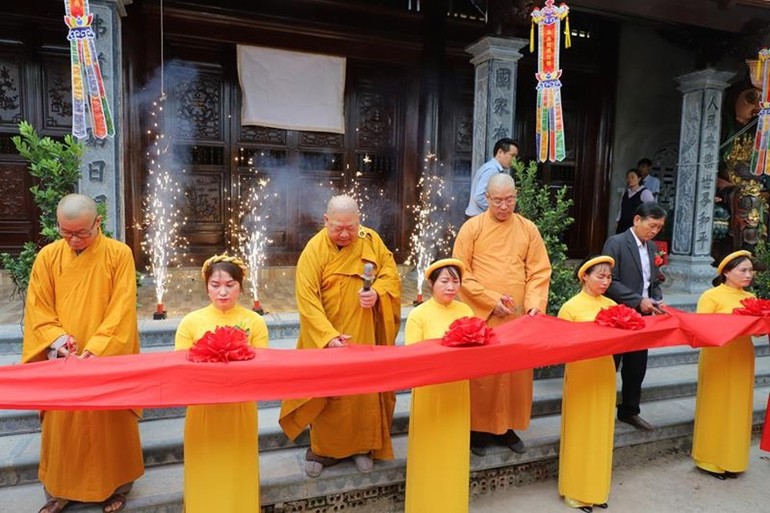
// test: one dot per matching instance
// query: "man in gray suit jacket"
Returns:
(635, 284)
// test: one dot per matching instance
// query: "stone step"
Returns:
(162, 437)
(286, 488)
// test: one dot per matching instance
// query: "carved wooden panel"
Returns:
(14, 183)
(321, 139)
(375, 126)
(198, 103)
(57, 94)
(203, 198)
(263, 135)
(11, 88)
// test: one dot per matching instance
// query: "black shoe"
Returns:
(721, 476)
(513, 442)
(587, 509)
(731, 475)
(479, 442)
(603, 505)
(638, 422)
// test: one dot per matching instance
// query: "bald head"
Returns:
(342, 204)
(76, 206)
(501, 195)
(341, 220)
(502, 183)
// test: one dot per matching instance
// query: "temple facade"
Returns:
(441, 79)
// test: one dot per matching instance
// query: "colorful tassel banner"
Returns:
(86, 74)
(549, 121)
(760, 158)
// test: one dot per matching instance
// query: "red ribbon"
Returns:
(169, 379)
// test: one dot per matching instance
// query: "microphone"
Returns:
(368, 276)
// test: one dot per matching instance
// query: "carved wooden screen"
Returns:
(221, 160)
(306, 168)
(34, 86)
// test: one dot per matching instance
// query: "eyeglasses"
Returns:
(82, 234)
(498, 202)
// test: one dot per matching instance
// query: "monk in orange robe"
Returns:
(337, 309)
(81, 303)
(507, 275)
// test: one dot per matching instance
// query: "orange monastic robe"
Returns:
(327, 285)
(85, 455)
(510, 258)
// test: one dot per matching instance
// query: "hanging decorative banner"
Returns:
(760, 158)
(549, 122)
(86, 75)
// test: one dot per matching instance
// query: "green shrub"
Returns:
(549, 210)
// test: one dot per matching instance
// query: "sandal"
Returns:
(55, 506)
(116, 502)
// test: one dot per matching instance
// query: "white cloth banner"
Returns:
(292, 90)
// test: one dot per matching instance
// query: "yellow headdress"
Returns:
(224, 258)
(445, 262)
(602, 259)
(729, 258)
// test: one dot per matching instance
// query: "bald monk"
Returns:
(507, 275)
(81, 303)
(334, 311)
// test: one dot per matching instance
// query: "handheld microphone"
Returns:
(368, 276)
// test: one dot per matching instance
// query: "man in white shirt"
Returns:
(635, 284)
(649, 182)
(505, 152)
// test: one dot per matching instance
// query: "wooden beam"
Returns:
(700, 13)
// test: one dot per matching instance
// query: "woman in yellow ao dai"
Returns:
(724, 405)
(588, 400)
(437, 463)
(221, 454)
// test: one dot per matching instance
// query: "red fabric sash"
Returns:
(169, 379)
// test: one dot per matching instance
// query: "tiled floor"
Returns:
(186, 293)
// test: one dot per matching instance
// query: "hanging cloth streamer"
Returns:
(760, 157)
(549, 121)
(87, 84)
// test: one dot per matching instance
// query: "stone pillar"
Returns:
(690, 267)
(102, 172)
(496, 60)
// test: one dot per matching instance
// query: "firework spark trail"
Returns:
(162, 217)
(251, 233)
(433, 232)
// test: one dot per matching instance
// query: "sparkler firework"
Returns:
(250, 234)
(433, 232)
(163, 218)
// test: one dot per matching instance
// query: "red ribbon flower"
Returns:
(754, 306)
(658, 260)
(224, 344)
(620, 316)
(468, 331)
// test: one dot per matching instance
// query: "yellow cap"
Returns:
(444, 262)
(729, 258)
(602, 259)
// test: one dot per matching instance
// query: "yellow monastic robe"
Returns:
(327, 285)
(85, 455)
(500, 258)
(724, 405)
(587, 414)
(437, 463)
(221, 450)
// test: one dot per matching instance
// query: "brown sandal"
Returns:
(116, 502)
(55, 506)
